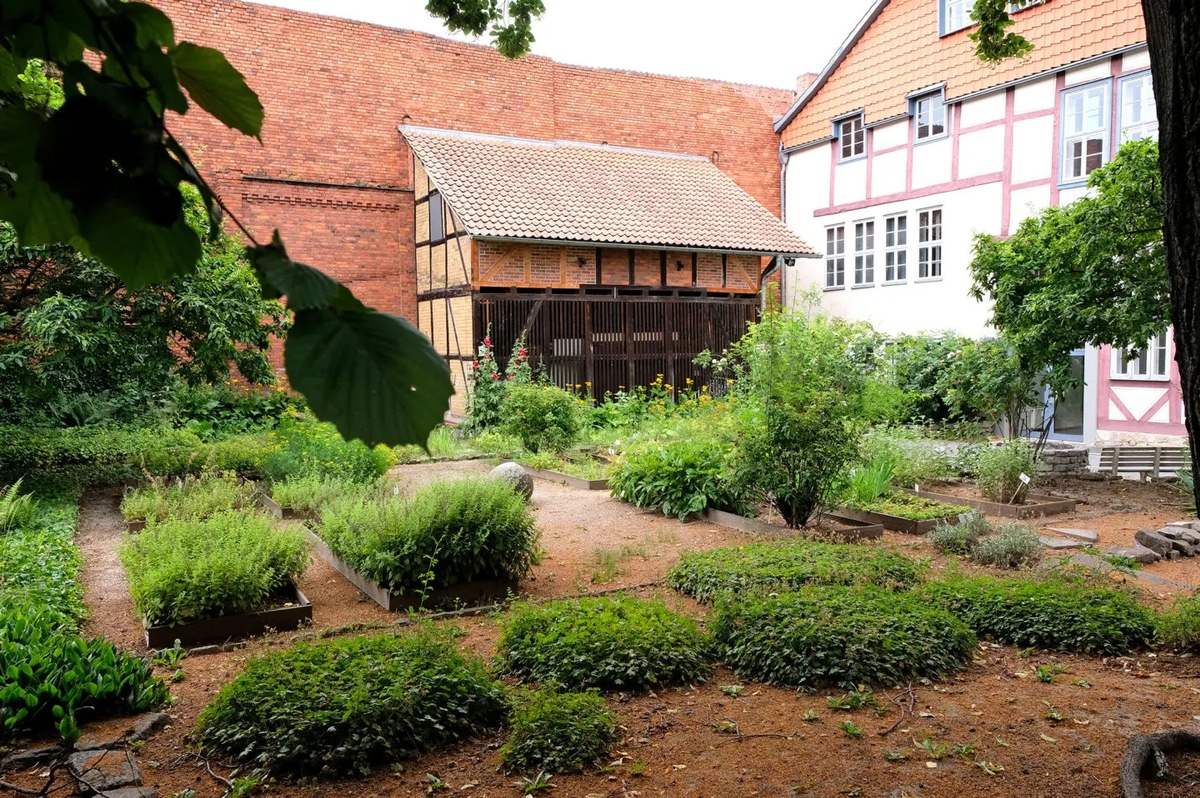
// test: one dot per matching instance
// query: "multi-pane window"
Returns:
(835, 257)
(929, 236)
(1139, 117)
(930, 116)
(956, 14)
(437, 220)
(1153, 362)
(864, 253)
(1020, 5)
(1085, 131)
(895, 249)
(852, 137)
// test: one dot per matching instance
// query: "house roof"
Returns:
(503, 187)
(896, 49)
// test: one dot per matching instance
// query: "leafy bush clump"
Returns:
(187, 498)
(788, 565)
(231, 563)
(309, 493)
(960, 537)
(1179, 627)
(678, 477)
(619, 642)
(998, 470)
(915, 459)
(303, 448)
(340, 707)
(445, 534)
(544, 417)
(1011, 547)
(39, 566)
(823, 636)
(910, 506)
(1058, 615)
(559, 733)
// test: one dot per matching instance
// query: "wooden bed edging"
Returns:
(1035, 505)
(468, 593)
(226, 627)
(855, 530)
(896, 523)
(566, 479)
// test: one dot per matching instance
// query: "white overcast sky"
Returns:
(766, 42)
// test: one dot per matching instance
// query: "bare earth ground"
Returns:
(673, 738)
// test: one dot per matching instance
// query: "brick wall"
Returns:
(336, 90)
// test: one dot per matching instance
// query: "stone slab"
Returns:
(1140, 577)
(103, 771)
(1086, 535)
(1136, 552)
(1052, 542)
(1155, 542)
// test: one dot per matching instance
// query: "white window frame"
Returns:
(835, 257)
(954, 15)
(1136, 120)
(864, 253)
(1084, 133)
(1020, 5)
(895, 249)
(1151, 364)
(940, 98)
(930, 250)
(845, 133)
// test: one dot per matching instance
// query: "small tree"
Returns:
(986, 379)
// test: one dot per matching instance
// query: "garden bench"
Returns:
(1150, 462)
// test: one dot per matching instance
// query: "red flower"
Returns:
(521, 353)
(487, 340)
(495, 377)
(475, 364)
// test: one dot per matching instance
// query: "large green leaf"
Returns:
(39, 215)
(138, 250)
(306, 288)
(373, 375)
(8, 71)
(218, 88)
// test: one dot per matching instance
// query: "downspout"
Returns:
(783, 273)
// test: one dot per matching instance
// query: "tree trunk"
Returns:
(1173, 36)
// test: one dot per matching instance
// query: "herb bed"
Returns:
(1035, 505)
(565, 479)
(293, 611)
(846, 528)
(905, 512)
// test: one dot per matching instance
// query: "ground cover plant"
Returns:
(444, 534)
(1060, 615)
(559, 733)
(907, 505)
(678, 477)
(791, 564)
(231, 563)
(340, 707)
(189, 497)
(840, 636)
(617, 642)
(576, 464)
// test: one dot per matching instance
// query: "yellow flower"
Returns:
(688, 380)
(704, 388)
(729, 382)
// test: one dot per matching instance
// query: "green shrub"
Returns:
(998, 470)
(340, 707)
(677, 477)
(308, 494)
(788, 565)
(960, 537)
(871, 480)
(542, 416)
(618, 642)
(559, 733)
(231, 563)
(189, 498)
(823, 636)
(1012, 546)
(303, 448)
(915, 459)
(911, 506)
(445, 534)
(1179, 627)
(1058, 615)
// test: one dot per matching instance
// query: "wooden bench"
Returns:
(1149, 462)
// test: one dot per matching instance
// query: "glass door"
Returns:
(1065, 413)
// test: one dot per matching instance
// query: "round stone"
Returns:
(515, 476)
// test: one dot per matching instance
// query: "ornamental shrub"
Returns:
(544, 417)
(301, 448)
(445, 534)
(998, 470)
(789, 565)
(1057, 615)
(1012, 546)
(559, 733)
(340, 707)
(838, 636)
(230, 563)
(678, 477)
(187, 498)
(619, 642)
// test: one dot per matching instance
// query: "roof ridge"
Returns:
(548, 143)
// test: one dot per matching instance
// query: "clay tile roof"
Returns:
(504, 187)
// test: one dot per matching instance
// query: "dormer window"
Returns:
(851, 136)
(955, 15)
(929, 116)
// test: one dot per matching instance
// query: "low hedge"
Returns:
(341, 707)
(617, 642)
(559, 733)
(445, 534)
(787, 565)
(1058, 615)
(823, 636)
(231, 563)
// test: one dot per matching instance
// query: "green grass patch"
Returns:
(823, 636)
(617, 642)
(791, 564)
(191, 497)
(907, 505)
(559, 733)
(231, 563)
(341, 707)
(1179, 627)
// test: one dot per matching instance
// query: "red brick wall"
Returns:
(335, 92)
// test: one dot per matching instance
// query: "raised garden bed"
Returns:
(843, 528)
(273, 509)
(565, 479)
(926, 513)
(295, 612)
(465, 593)
(895, 523)
(1035, 505)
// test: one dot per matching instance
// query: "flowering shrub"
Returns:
(486, 389)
